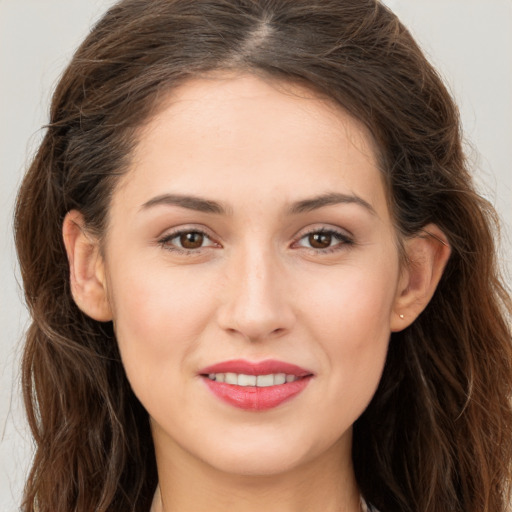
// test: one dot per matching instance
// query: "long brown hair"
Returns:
(437, 436)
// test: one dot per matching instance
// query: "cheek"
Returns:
(159, 317)
(351, 323)
(353, 305)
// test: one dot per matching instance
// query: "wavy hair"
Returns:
(437, 435)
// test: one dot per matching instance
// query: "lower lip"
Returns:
(253, 398)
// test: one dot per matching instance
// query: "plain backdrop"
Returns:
(470, 41)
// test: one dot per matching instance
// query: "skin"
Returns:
(255, 286)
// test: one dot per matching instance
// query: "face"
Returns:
(251, 243)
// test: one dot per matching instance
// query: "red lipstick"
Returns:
(261, 396)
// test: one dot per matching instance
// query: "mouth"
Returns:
(255, 386)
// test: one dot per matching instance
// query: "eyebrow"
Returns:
(185, 201)
(333, 198)
(208, 206)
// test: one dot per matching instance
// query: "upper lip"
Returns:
(265, 367)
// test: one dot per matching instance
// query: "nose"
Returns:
(256, 303)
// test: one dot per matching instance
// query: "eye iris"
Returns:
(320, 240)
(192, 240)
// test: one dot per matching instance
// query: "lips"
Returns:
(255, 386)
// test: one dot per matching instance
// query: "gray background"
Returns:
(470, 41)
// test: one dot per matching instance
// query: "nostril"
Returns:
(256, 334)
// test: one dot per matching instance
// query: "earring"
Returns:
(401, 316)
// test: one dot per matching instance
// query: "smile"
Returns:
(260, 381)
(255, 386)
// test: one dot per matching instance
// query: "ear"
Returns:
(427, 254)
(86, 268)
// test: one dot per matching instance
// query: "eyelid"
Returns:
(345, 238)
(164, 239)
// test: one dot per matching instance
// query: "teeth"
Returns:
(280, 378)
(246, 380)
(264, 381)
(260, 381)
(231, 378)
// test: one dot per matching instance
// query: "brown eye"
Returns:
(186, 241)
(325, 241)
(320, 240)
(191, 240)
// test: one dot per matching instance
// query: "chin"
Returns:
(255, 463)
(267, 455)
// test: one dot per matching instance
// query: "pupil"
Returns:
(191, 240)
(320, 240)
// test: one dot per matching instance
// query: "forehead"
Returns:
(256, 135)
(228, 99)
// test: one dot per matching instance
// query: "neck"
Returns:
(326, 484)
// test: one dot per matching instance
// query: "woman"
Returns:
(258, 271)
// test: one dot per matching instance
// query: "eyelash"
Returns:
(165, 241)
(341, 238)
